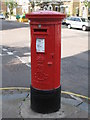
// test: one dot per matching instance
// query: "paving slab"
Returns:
(68, 109)
(16, 104)
(11, 102)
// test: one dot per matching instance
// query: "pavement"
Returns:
(16, 104)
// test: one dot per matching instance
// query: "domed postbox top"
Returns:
(45, 16)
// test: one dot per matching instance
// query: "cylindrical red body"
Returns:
(45, 50)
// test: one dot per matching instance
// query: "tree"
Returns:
(86, 3)
(11, 5)
(32, 5)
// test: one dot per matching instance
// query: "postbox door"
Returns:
(42, 58)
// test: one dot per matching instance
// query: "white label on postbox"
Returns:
(40, 45)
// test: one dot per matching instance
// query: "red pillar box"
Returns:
(45, 60)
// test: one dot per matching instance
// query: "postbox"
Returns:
(45, 60)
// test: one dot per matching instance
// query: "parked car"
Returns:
(64, 21)
(21, 18)
(17, 16)
(2, 16)
(78, 22)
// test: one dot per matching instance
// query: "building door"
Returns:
(84, 12)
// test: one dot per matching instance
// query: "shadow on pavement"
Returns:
(74, 70)
(15, 73)
(7, 25)
(74, 73)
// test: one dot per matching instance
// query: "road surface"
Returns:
(16, 57)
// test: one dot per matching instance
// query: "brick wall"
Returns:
(3, 7)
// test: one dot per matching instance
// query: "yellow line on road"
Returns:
(63, 92)
(77, 95)
(15, 88)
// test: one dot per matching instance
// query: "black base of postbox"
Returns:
(45, 101)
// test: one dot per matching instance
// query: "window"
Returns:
(50, 7)
(77, 19)
(84, 20)
(89, 11)
(66, 10)
(77, 11)
(68, 18)
(45, 7)
(83, 8)
(56, 8)
(73, 19)
(62, 9)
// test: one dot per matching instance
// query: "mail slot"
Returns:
(40, 30)
(45, 60)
